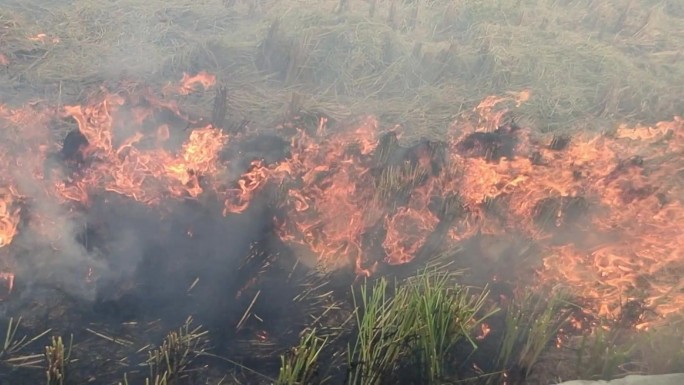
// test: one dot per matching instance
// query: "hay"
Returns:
(417, 64)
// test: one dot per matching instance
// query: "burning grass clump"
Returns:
(428, 328)
(492, 146)
(556, 213)
(400, 169)
(394, 61)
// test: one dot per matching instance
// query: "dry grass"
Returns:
(587, 62)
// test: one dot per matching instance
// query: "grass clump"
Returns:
(660, 350)
(300, 365)
(445, 314)
(382, 332)
(603, 353)
(530, 328)
(57, 359)
(169, 363)
(611, 350)
(416, 327)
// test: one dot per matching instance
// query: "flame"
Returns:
(9, 222)
(131, 171)
(198, 157)
(485, 329)
(189, 83)
(603, 209)
(9, 216)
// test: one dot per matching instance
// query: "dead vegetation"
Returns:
(588, 63)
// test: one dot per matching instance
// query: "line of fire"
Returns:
(123, 216)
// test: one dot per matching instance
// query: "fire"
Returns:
(189, 83)
(604, 209)
(198, 157)
(9, 222)
(129, 168)
(637, 250)
(9, 216)
(485, 329)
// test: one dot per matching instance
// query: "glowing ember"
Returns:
(604, 209)
(485, 329)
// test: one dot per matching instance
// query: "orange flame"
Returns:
(604, 209)
(9, 216)
(189, 83)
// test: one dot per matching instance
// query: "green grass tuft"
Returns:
(300, 364)
(602, 354)
(416, 327)
(531, 326)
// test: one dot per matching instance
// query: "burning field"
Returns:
(230, 192)
(117, 201)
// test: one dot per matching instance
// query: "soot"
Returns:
(267, 148)
(491, 146)
(153, 258)
(559, 142)
(561, 212)
(427, 152)
(73, 149)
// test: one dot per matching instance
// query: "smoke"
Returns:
(50, 253)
